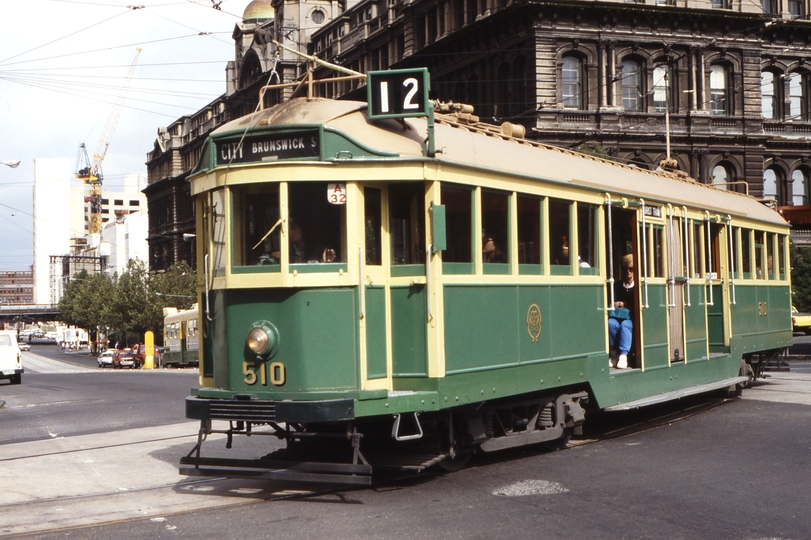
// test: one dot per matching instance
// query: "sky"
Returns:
(63, 66)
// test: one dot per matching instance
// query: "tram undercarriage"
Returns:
(348, 452)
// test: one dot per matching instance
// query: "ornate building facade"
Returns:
(721, 87)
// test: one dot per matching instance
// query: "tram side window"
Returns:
(256, 213)
(712, 251)
(587, 238)
(653, 236)
(371, 224)
(215, 217)
(695, 252)
(746, 253)
(317, 228)
(406, 212)
(781, 256)
(458, 224)
(760, 254)
(529, 230)
(559, 221)
(495, 224)
(770, 260)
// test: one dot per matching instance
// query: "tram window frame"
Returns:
(781, 256)
(218, 230)
(746, 253)
(655, 239)
(372, 225)
(320, 221)
(587, 239)
(760, 254)
(495, 219)
(530, 234)
(696, 253)
(560, 222)
(255, 210)
(406, 202)
(770, 270)
(458, 200)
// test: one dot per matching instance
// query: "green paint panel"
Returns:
(655, 327)
(480, 327)
(317, 339)
(408, 332)
(715, 321)
(487, 326)
(375, 332)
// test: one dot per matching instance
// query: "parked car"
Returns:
(140, 354)
(105, 359)
(800, 322)
(125, 358)
(11, 366)
(24, 346)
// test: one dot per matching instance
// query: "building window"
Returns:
(631, 85)
(772, 185)
(796, 8)
(798, 96)
(663, 93)
(721, 176)
(799, 187)
(770, 7)
(572, 75)
(719, 4)
(770, 95)
(719, 90)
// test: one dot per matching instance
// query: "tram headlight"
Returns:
(263, 339)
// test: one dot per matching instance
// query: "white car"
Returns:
(105, 359)
(24, 346)
(11, 366)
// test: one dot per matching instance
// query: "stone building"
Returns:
(723, 83)
(17, 288)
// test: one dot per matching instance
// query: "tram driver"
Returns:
(302, 250)
(620, 323)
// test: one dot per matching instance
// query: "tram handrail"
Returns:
(362, 284)
(428, 284)
(671, 267)
(644, 254)
(732, 261)
(610, 253)
(709, 257)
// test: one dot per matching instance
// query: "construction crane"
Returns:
(89, 171)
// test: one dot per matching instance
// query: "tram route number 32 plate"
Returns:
(397, 93)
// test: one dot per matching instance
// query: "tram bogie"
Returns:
(378, 306)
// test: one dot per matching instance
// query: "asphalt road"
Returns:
(737, 470)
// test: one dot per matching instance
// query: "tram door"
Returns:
(372, 289)
(624, 240)
(675, 287)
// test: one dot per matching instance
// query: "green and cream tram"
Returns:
(344, 290)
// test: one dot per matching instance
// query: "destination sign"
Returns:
(269, 148)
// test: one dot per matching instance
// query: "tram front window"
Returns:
(406, 212)
(256, 225)
(317, 223)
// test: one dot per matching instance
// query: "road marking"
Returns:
(34, 363)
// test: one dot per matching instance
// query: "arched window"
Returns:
(773, 185)
(631, 83)
(721, 176)
(798, 96)
(719, 90)
(663, 85)
(572, 79)
(799, 187)
(770, 95)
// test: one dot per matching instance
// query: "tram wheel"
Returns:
(560, 443)
(450, 464)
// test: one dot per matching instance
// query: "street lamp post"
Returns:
(12, 164)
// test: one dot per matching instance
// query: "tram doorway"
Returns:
(621, 249)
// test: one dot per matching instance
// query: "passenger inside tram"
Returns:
(620, 322)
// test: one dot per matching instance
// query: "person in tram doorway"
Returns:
(620, 323)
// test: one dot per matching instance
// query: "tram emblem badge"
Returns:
(534, 322)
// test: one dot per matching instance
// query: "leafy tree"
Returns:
(130, 304)
(594, 149)
(801, 278)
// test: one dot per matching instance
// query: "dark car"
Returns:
(125, 358)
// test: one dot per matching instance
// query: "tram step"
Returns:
(404, 462)
(317, 472)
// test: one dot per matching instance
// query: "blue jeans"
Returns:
(625, 329)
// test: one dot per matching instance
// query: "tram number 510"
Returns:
(262, 371)
(398, 93)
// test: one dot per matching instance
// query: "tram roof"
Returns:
(484, 146)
